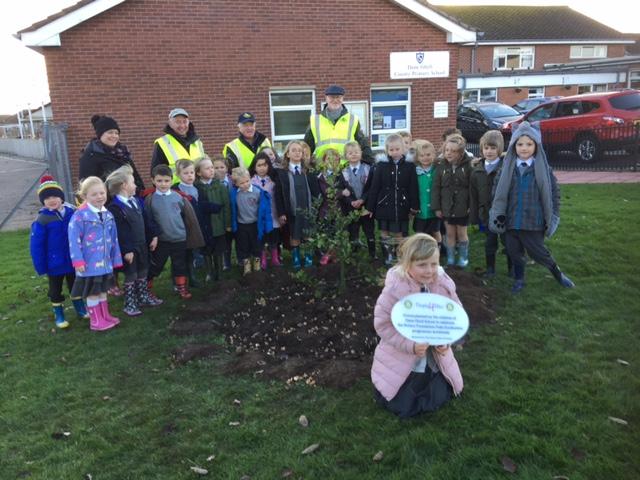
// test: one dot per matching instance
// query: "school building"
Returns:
(137, 59)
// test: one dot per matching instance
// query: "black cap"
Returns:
(246, 117)
(334, 90)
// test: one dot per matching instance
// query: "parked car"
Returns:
(474, 119)
(588, 124)
(528, 104)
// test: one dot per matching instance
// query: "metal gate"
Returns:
(56, 154)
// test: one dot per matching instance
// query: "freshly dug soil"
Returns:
(303, 331)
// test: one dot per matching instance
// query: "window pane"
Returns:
(469, 96)
(390, 117)
(396, 95)
(288, 99)
(291, 123)
(541, 113)
(488, 95)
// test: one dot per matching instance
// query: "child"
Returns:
(426, 220)
(408, 145)
(355, 182)
(215, 225)
(179, 229)
(221, 169)
(526, 204)
(250, 218)
(264, 177)
(409, 377)
(481, 184)
(132, 225)
(295, 191)
(450, 198)
(393, 196)
(185, 169)
(50, 248)
(329, 176)
(94, 249)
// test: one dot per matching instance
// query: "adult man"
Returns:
(240, 151)
(335, 126)
(180, 141)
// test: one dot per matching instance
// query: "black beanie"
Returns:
(102, 124)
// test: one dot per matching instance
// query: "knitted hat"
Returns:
(102, 124)
(49, 188)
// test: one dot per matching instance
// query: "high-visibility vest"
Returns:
(174, 151)
(327, 135)
(243, 153)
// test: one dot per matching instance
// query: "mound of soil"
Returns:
(303, 331)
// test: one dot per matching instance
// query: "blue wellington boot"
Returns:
(295, 257)
(451, 256)
(308, 260)
(58, 312)
(463, 254)
(80, 307)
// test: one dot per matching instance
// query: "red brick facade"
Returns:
(139, 59)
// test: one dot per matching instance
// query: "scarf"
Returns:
(119, 151)
(498, 211)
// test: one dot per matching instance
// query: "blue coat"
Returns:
(50, 243)
(265, 223)
(93, 244)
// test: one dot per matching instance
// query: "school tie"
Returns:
(297, 170)
(263, 181)
(523, 167)
(355, 170)
(424, 289)
(100, 215)
(132, 204)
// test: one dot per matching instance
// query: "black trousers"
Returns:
(165, 250)
(247, 245)
(492, 242)
(139, 268)
(272, 239)
(531, 241)
(368, 227)
(55, 286)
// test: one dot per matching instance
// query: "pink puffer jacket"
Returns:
(394, 360)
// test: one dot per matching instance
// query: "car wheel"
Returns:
(588, 148)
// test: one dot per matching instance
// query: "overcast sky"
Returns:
(24, 80)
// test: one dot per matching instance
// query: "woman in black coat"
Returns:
(105, 153)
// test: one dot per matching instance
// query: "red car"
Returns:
(587, 124)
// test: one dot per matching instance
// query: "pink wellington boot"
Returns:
(97, 321)
(275, 258)
(104, 305)
(325, 259)
(263, 260)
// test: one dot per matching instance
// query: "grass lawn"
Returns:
(540, 384)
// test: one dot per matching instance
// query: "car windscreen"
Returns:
(497, 111)
(626, 102)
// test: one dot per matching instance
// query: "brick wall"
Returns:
(140, 59)
(543, 54)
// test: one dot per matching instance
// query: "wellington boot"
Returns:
(58, 312)
(104, 305)
(97, 321)
(463, 254)
(245, 266)
(275, 258)
(145, 296)
(181, 287)
(295, 257)
(451, 255)
(257, 263)
(131, 306)
(80, 307)
(263, 260)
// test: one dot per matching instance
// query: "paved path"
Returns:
(17, 176)
(596, 177)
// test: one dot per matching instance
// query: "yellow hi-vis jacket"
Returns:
(327, 135)
(174, 151)
(243, 153)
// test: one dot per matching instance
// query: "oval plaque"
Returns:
(429, 318)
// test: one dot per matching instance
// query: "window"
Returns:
(536, 92)
(568, 109)
(512, 58)
(599, 87)
(541, 113)
(588, 51)
(634, 79)
(390, 113)
(479, 95)
(290, 112)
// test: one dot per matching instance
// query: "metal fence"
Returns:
(56, 154)
(614, 147)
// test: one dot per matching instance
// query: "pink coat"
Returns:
(394, 360)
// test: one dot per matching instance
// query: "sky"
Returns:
(24, 83)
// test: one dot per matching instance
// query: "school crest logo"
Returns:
(408, 304)
(420, 57)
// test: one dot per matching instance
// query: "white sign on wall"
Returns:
(419, 65)
(440, 109)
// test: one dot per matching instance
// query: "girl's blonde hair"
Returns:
(492, 138)
(419, 246)
(285, 155)
(238, 173)
(117, 179)
(87, 184)
(200, 162)
(423, 146)
(393, 138)
(182, 164)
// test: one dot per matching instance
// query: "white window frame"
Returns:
(538, 93)
(478, 95)
(396, 103)
(290, 108)
(634, 76)
(505, 52)
(588, 51)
